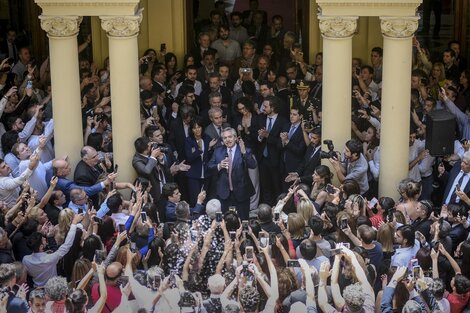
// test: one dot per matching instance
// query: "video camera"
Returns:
(331, 154)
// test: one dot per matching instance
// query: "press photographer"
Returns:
(353, 165)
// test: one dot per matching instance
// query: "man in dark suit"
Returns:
(249, 14)
(230, 164)
(87, 170)
(214, 86)
(179, 131)
(293, 145)
(149, 163)
(310, 161)
(270, 144)
(457, 181)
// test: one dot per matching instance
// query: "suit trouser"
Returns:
(243, 207)
(270, 182)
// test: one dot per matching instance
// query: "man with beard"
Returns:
(227, 49)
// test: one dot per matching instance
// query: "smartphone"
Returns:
(276, 216)
(390, 216)
(122, 228)
(143, 216)
(29, 84)
(173, 274)
(330, 189)
(372, 203)
(162, 47)
(133, 246)
(457, 187)
(263, 240)
(343, 223)
(416, 272)
(100, 256)
(245, 225)
(293, 263)
(436, 246)
(80, 211)
(414, 262)
(97, 220)
(194, 235)
(249, 253)
(157, 281)
(115, 168)
(345, 244)
(233, 235)
(272, 238)
(218, 217)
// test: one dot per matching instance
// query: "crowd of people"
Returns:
(232, 209)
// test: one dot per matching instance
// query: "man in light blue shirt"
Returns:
(409, 246)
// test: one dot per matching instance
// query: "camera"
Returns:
(308, 124)
(162, 148)
(331, 150)
(245, 70)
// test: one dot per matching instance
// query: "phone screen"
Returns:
(122, 227)
(276, 216)
(344, 223)
(143, 216)
(293, 263)
(245, 225)
(263, 240)
(249, 253)
(218, 217)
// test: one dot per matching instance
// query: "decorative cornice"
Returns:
(398, 27)
(121, 26)
(60, 26)
(337, 26)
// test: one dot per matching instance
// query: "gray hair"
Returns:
(230, 129)
(466, 155)
(212, 111)
(216, 283)
(411, 306)
(215, 94)
(37, 294)
(212, 207)
(56, 288)
(354, 297)
(182, 209)
(7, 272)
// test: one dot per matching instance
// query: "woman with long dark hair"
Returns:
(198, 149)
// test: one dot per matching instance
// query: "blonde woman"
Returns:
(65, 220)
(296, 226)
(385, 237)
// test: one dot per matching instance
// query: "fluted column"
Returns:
(337, 35)
(66, 103)
(394, 134)
(122, 32)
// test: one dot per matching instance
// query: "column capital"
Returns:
(398, 27)
(60, 26)
(121, 26)
(337, 26)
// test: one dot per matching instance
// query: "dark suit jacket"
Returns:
(177, 137)
(85, 175)
(284, 110)
(146, 169)
(308, 165)
(294, 151)
(242, 187)
(273, 142)
(448, 180)
(193, 157)
(204, 97)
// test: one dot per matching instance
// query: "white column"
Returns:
(122, 32)
(394, 133)
(337, 35)
(66, 103)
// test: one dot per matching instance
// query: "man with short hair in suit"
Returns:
(270, 145)
(310, 161)
(456, 181)
(293, 145)
(230, 164)
(149, 163)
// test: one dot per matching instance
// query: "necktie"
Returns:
(453, 198)
(270, 125)
(219, 130)
(291, 131)
(230, 169)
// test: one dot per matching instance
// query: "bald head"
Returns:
(145, 83)
(61, 168)
(113, 271)
(89, 155)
